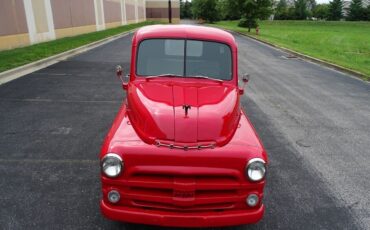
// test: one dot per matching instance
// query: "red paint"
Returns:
(175, 187)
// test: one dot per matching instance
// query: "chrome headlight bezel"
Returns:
(253, 165)
(116, 161)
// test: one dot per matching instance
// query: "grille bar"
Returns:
(171, 207)
(179, 202)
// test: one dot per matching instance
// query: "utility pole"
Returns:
(169, 12)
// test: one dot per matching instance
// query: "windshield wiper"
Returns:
(205, 77)
(164, 75)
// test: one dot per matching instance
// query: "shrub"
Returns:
(248, 23)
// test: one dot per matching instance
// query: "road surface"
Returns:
(314, 122)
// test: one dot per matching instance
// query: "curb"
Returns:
(359, 75)
(23, 70)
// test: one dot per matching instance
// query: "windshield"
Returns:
(184, 58)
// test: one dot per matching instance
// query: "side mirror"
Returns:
(245, 80)
(124, 85)
(119, 72)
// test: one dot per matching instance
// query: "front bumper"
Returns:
(172, 219)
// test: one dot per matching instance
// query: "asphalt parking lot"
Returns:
(313, 121)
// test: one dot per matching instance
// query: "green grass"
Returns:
(20, 56)
(343, 43)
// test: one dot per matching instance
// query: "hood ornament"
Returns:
(186, 108)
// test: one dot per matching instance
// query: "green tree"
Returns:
(321, 11)
(254, 10)
(356, 11)
(264, 9)
(291, 13)
(367, 13)
(221, 9)
(281, 11)
(187, 6)
(249, 19)
(234, 9)
(335, 10)
(301, 11)
(205, 9)
(311, 6)
(185, 9)
(182, 9)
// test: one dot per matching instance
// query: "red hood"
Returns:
(157, 114)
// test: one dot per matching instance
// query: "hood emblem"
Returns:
(186, 108)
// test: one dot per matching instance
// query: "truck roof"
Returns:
(184, 31)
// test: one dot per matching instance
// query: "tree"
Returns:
(311, 5)
(205, 9)
(182, 9)
(356, 11)
(264, 9)
(250, 15)
(281, 11)
(291, 13)
(301, 11)
(185, 9)
(221, 8)
(321, 11)
(335, 10)
(254, 10)
(367, 13)
(234, 9)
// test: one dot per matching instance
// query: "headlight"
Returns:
(111, 165)
(255, 169)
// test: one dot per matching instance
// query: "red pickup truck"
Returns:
(181, 152)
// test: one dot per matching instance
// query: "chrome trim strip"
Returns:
(173, 146)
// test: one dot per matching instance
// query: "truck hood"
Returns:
(157, 112)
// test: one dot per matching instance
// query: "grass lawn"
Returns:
(343, 43)
(20, 56)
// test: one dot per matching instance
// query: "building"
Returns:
(26, 22)
(158, 10)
